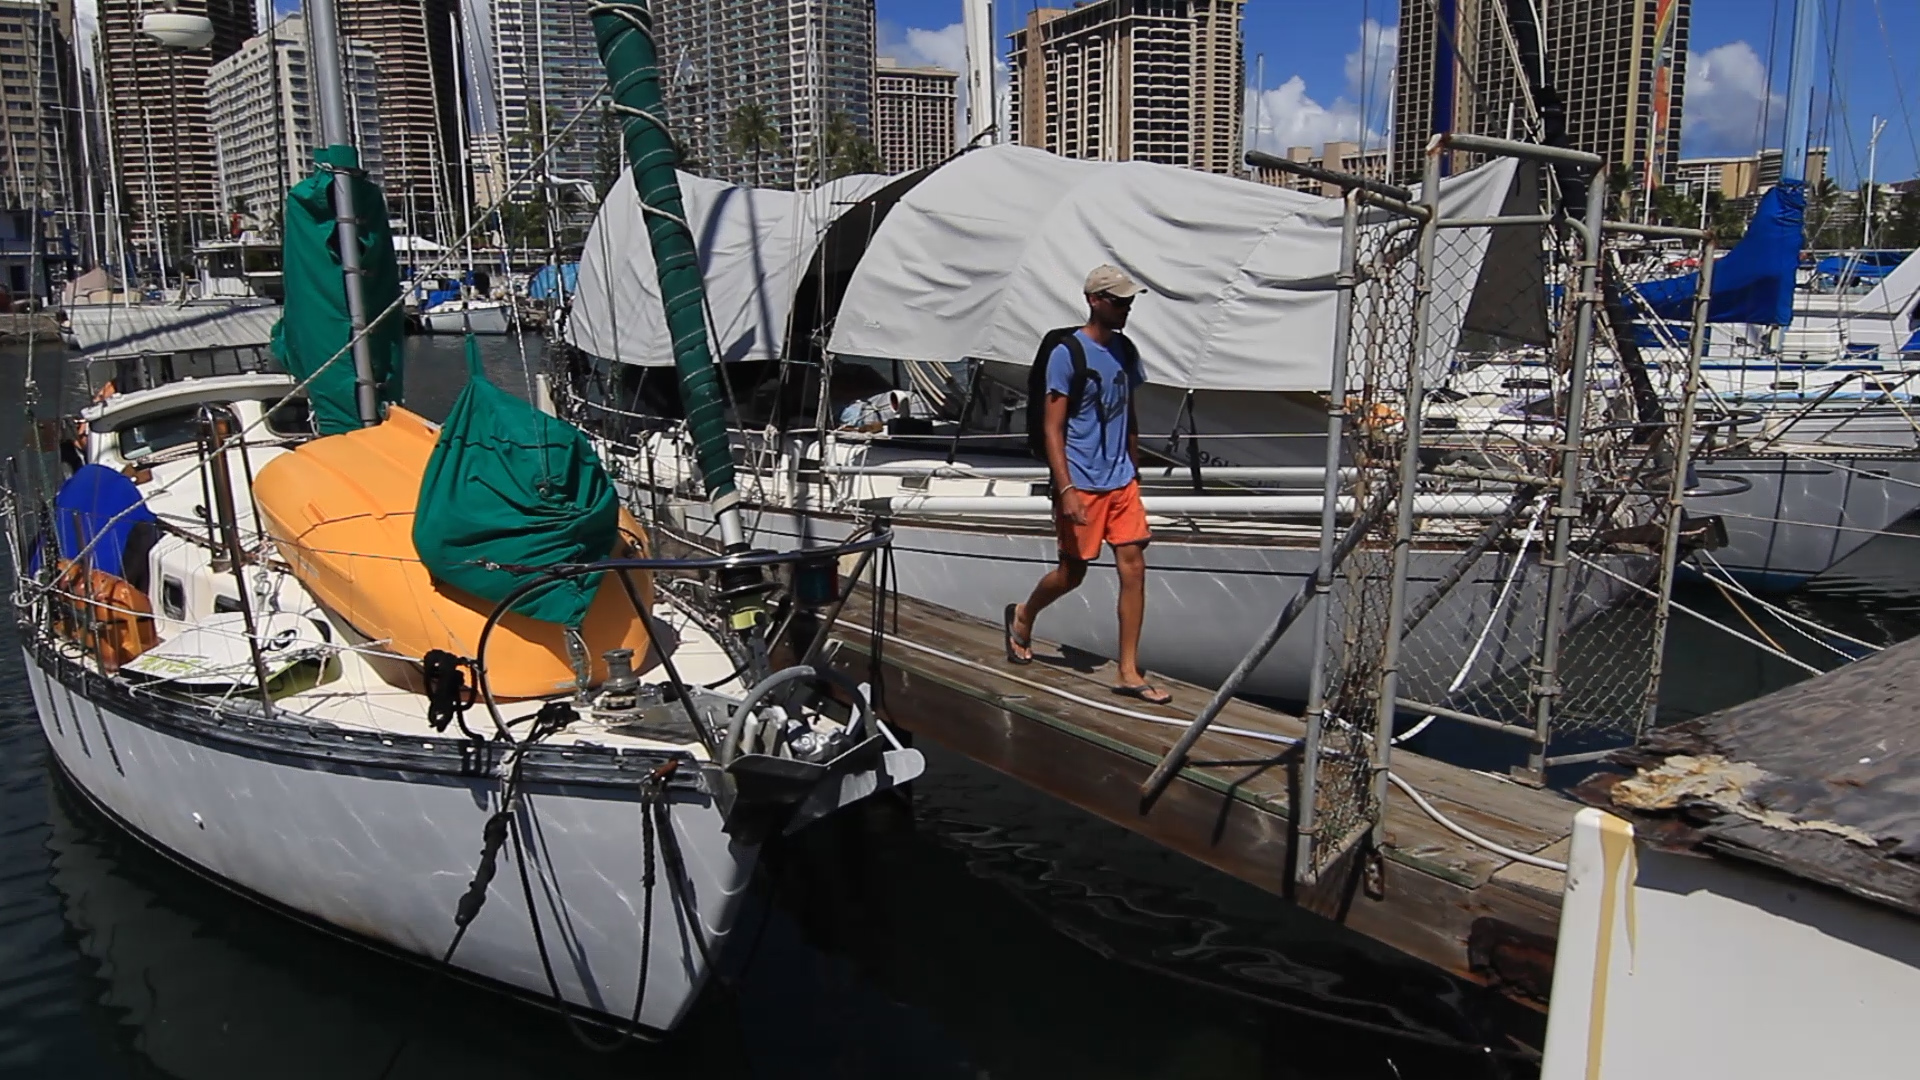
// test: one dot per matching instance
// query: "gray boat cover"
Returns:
(755, 246)
(986, 254)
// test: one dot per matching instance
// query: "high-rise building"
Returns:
(40, 178)
(414, 43)
(156, 99)
(1619, 67)
(547, 69)
(1141, 80)
(265, 125)
(913, 115)
(761, 91)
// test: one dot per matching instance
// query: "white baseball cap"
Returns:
(1110, 279)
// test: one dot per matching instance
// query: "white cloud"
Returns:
(946, 48)
(1288, 116)
(1727, 98)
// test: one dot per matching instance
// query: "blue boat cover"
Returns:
(541, 287)
(85, 504)
(1753, 283)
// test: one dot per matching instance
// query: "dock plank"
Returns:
(1443, 899)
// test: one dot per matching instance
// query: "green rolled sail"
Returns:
(624, 35)
(314, 328)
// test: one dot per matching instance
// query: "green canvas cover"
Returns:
(315, 326)
(508, 484)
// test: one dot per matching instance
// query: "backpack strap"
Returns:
(1077, 382)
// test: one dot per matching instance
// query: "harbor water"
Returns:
(978, 930)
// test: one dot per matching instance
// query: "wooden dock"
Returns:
(1449, 902)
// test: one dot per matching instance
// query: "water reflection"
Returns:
(909, 943)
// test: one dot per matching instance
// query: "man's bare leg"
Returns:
(1131, 561)
(1065, 577)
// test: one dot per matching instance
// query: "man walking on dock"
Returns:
(1092, 450)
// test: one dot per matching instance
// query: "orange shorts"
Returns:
(1115, 517)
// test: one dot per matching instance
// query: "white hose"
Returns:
(1263, 736)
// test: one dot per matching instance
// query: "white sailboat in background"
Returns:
(471, 312)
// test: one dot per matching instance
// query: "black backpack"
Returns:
(1123, 351)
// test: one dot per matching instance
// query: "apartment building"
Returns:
(795, 65)
(413, 44)
(1139, 80)
(1619, 67)
(1742, 177)
(42, 193)
(266, 124)
(1343, 156)
(914, 111)
(546, 70)
(158, 123)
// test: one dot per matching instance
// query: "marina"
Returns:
(665, 576)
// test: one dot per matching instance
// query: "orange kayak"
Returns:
(340, 510)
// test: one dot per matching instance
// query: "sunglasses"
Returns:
(1117, 301)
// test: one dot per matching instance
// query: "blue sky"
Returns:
(1322, 82)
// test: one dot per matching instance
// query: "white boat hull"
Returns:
(479, 318)
(1789, 517)
(341, 828)
(1207, 602)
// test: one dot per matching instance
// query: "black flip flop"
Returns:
(1142, 690)
(1006, 626)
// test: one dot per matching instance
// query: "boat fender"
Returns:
(449, 692)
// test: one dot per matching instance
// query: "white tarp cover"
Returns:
(985, 255)
(754, 244)
(1894, 295)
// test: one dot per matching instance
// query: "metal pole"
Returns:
(325, 57)
(217, 429)
(1409, 479)
(1546, 685)
(1305, 820)
(1677, 490)
(1806, 40)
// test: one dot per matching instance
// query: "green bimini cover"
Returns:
(509, 484)
(315, 325)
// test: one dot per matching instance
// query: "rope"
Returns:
(1499, 604)
(1708, 619)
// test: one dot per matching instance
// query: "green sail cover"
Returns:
(623, 32)
(509, 484)
(315, 325)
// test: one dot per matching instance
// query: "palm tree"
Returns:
(753, 132)
(845, 150)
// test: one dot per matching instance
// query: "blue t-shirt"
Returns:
(1097, 458)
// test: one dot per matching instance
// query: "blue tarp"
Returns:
(541, 287)
(1753, 283)
(89, 499)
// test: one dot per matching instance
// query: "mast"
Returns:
(323, 36)
(978, 16)
(624, 34)
(460, 137)
(1806, 42)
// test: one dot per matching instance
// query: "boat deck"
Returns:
(1051, 725)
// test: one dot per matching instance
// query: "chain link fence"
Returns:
(1511, 495)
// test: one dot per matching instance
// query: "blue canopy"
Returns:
(85, 504)
(541, 287)
(1753, 283)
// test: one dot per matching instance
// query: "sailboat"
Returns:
(465, 312)
(948, 278)
(427, 687)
